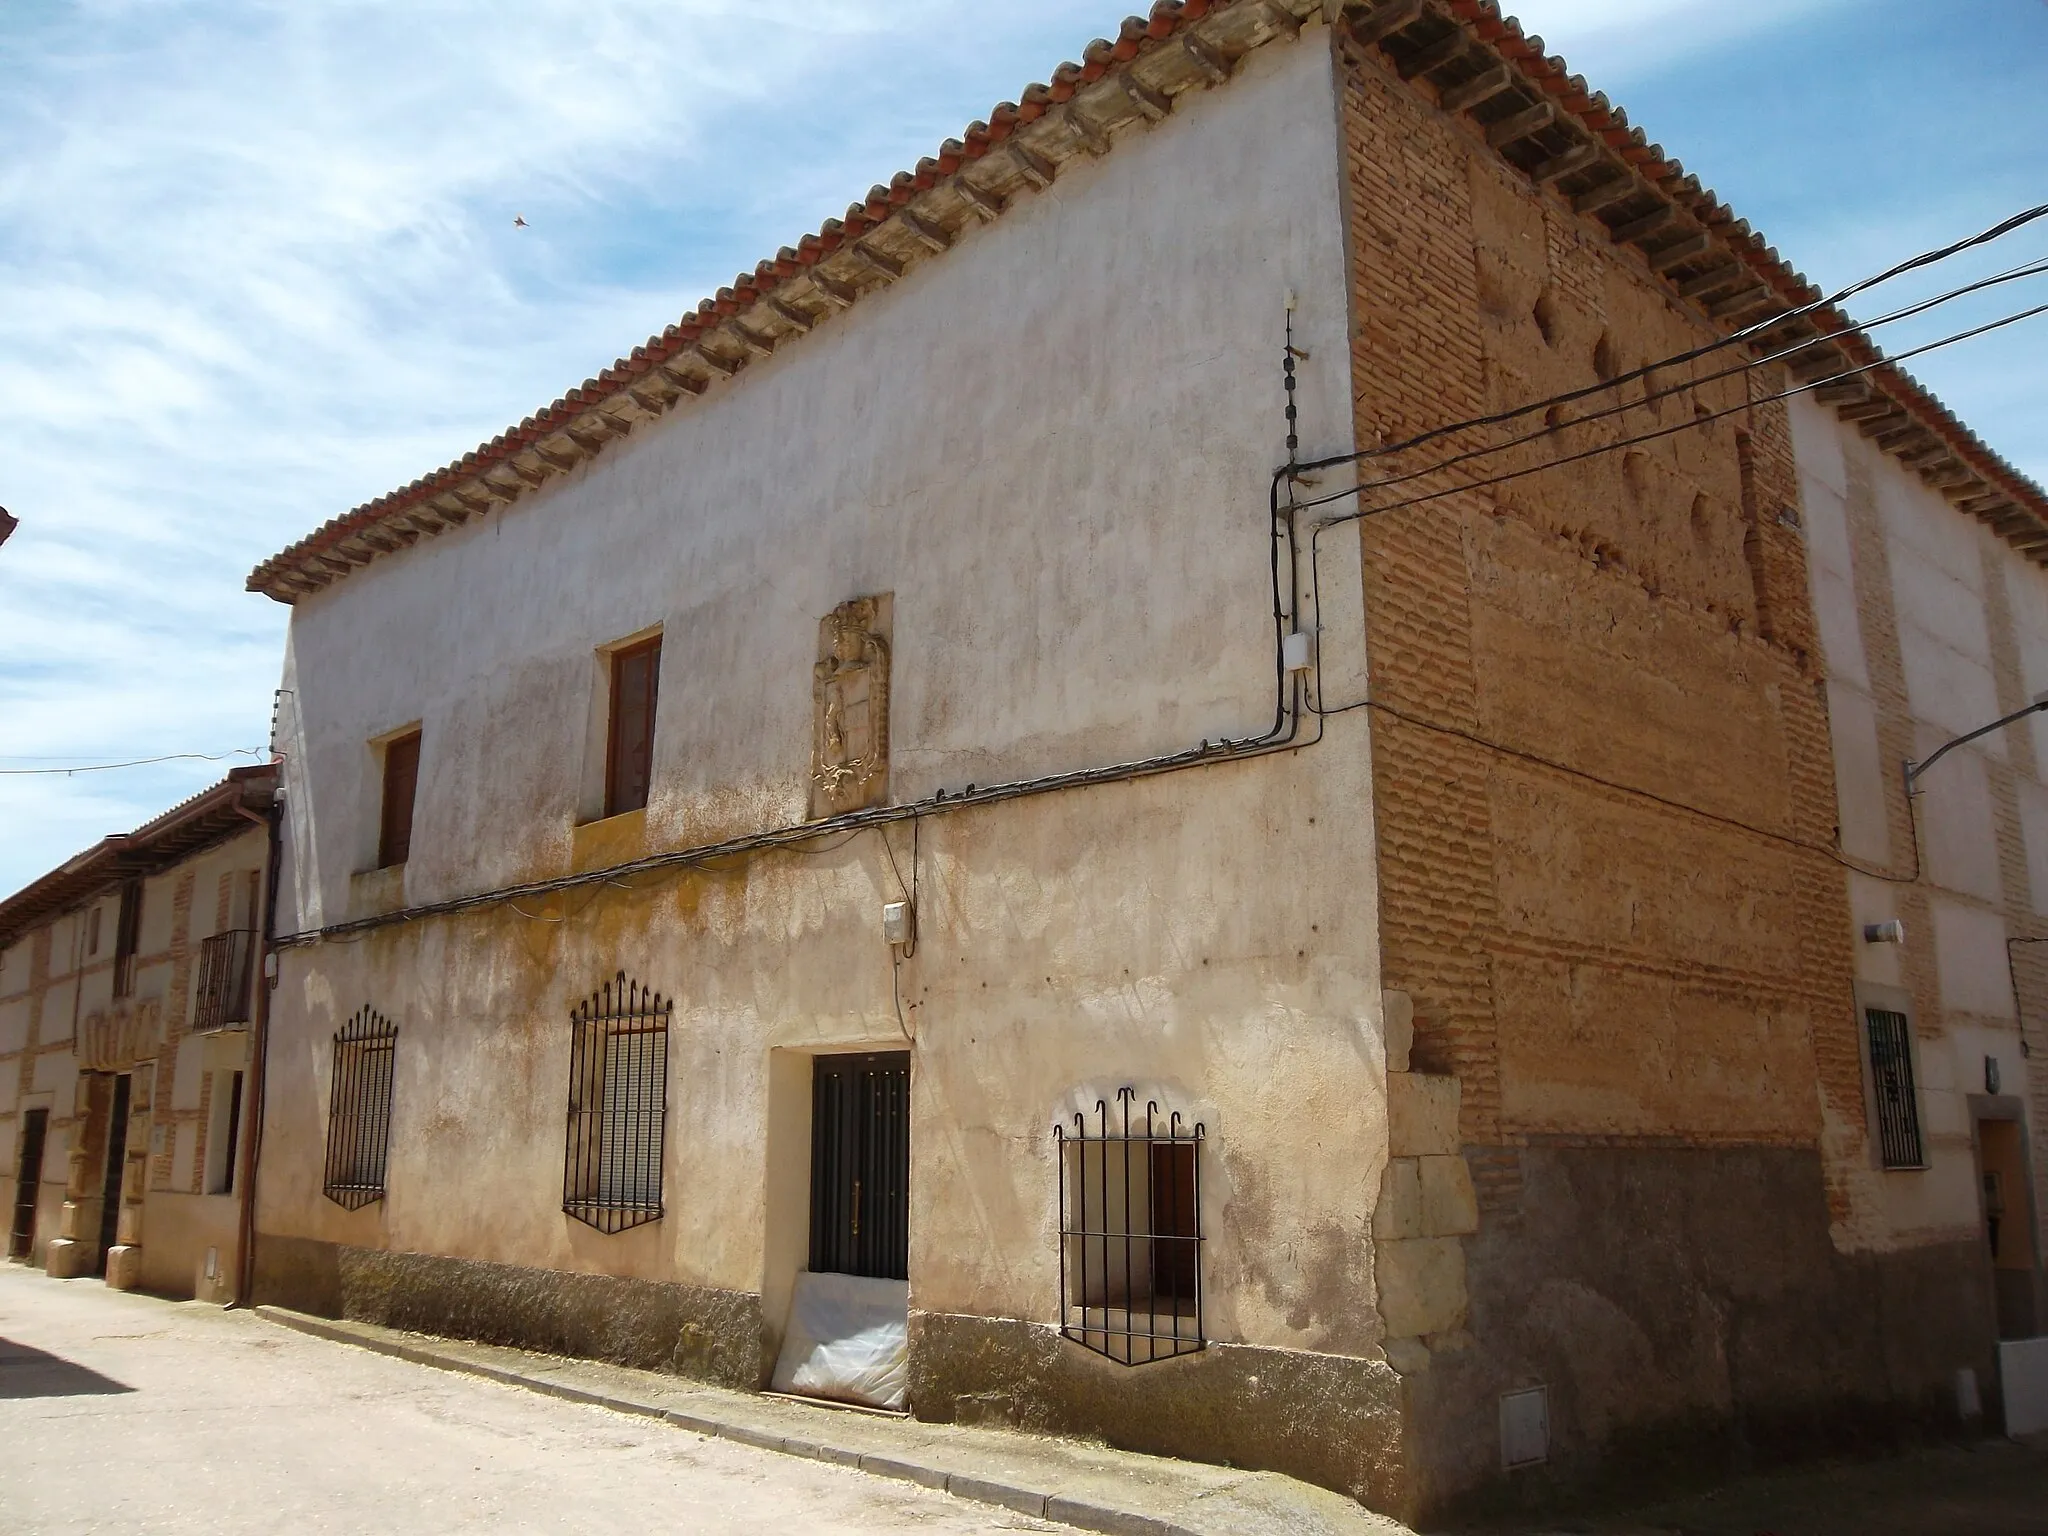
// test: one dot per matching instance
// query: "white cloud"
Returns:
(1611, 42)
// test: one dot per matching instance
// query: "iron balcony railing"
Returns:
(226, 964)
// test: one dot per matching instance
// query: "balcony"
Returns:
(226, 963)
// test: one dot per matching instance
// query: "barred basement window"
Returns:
(1131, 1233)
(618, 1107)
(359, 1110)
(1891, 1073)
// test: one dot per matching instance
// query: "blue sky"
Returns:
(257, 262)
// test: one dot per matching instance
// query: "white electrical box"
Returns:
(896, 922)
(1298, 650)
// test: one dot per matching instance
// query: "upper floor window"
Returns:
(401, 787)
(629, 745)
(127, 938)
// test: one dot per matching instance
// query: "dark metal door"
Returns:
(860, 1166)
(34, 1132)
(117, 1162)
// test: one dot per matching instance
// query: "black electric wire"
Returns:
(1735, 338)
(140, 762)
(1522, 754)
(1317, 707)
(1698, 420)
(1654, 397)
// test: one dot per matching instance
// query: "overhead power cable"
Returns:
(1652, 397)
(140, 762)
(1700, 419)
(1735, 338)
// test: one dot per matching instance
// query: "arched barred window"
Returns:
(359, 1110)
(1131, 1232)
(618, 1107)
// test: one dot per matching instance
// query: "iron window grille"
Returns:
(359, 1111)
(1131, 1232)
(225, 963)
(1898, 1103)
(618, 1107)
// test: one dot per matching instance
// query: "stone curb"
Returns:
(1078, 1513)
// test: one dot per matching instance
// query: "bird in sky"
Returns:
(519, 221)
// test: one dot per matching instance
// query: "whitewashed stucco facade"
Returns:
(1934, 627)
(1054, 448)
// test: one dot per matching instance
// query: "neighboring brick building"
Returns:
(900, 704)
(128, 981)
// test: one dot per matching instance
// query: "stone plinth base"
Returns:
(66, 1258)
(124, 1266)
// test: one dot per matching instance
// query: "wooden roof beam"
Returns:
(1482, 87)
(984, 205)
(1154, 105)
(1517, 126)
(1448, 49)
(1562, 164)
(1212, 64)
(1389, 18)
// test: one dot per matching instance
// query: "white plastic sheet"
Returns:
(848, 1339)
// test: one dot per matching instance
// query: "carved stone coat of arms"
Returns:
(850, 703)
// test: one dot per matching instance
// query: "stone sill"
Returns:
(375, 892)
(615, 840)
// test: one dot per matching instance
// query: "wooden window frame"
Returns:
(621, 794)
(127, 937)
(394, 840)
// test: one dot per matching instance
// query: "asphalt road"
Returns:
(125, 1412)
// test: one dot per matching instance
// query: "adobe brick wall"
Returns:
(1606, 820)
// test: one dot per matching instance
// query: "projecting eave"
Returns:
(192, 826)
(1568, 140)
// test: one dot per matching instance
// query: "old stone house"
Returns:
(915, 807)
(128, 984)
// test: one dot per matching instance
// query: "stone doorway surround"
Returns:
(77, 1249)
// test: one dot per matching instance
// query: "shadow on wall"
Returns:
(26, 1372)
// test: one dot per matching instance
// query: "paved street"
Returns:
(124, 1412)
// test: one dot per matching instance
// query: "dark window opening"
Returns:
(1891, 1072)
(401, 788)
(860, 1165)
(114, 1177)
(127, 938)
(21, 1240)
(629, 749)
(618, 1107)
(358, 1110)
(231, 1131)
(1131, 1232)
